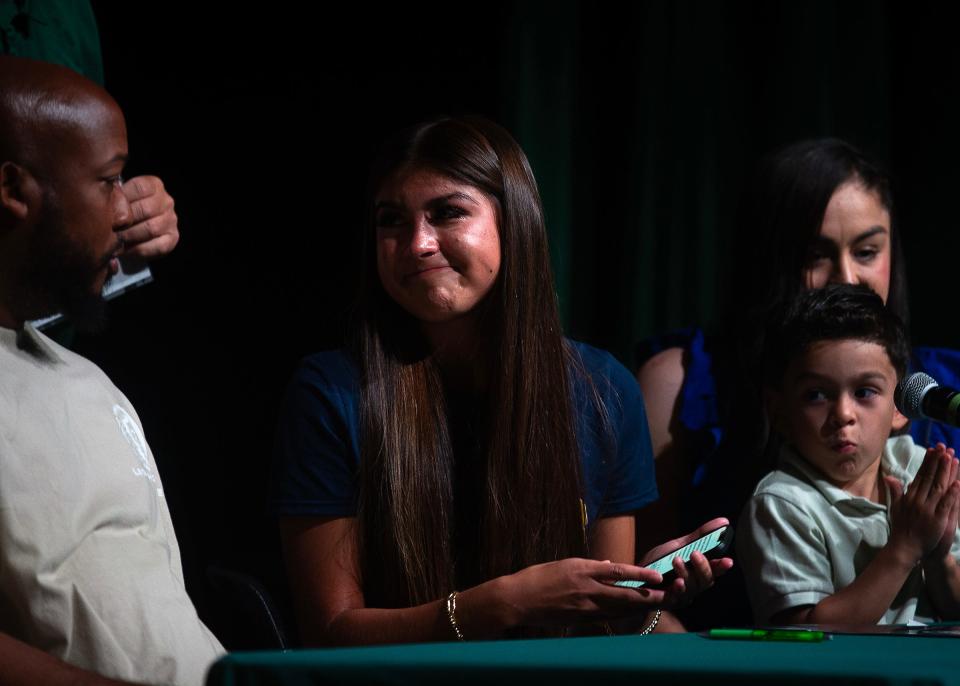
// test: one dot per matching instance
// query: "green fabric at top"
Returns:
(59, 31)
(643, 123)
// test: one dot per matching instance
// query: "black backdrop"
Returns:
(641, 122)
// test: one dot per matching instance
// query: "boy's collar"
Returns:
(894, 450)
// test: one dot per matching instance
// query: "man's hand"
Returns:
(153, 223)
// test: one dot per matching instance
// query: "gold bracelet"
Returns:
(652, 625)
(452, 615)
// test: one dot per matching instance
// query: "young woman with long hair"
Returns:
(462, 469)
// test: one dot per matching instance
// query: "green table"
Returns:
(650, 660)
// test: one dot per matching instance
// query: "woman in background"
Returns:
(819, 212)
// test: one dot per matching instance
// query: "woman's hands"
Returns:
(577, 590)
(695, 578)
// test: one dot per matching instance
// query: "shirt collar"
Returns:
(790, 461)
(30, 341)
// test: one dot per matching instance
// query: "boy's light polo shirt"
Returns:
(801, 538)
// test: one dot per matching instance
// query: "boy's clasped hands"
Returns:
(924, 517)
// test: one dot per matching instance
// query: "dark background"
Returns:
(642, 123)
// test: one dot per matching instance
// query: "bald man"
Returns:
(91, 585)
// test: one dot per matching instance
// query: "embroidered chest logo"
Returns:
(131, 432)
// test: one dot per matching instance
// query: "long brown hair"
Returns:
(531, 507)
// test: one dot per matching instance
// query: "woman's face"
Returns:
(438, 247)
(854, 242)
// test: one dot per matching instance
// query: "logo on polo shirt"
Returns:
(130, 430)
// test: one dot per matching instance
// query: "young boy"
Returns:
(852, 527)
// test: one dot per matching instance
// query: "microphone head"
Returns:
(910, 392)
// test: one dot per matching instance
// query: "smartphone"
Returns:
(713, 544)
(120, 283)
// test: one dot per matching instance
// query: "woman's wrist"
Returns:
(451, 610)
(668, 624)
(488, 610)
(510, 608)
(654, 622)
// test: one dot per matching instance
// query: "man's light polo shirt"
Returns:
(89, 565)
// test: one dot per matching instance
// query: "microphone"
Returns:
(919, 396)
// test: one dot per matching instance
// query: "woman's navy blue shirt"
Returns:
(317, 457)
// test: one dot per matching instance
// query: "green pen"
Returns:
(797, 635)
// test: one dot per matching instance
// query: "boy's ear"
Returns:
(19, 190)
(899, 421)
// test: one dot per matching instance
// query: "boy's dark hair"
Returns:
(836, 312)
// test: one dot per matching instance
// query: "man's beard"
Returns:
(60, 274)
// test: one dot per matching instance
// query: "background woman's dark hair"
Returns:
(531, 510)
(783, 213)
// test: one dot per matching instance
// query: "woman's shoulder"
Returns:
(612, 433)
(661, 380)
(663, 374)
(329, 368)
(602, 367)
(324, 382)
(592, 357)
(672, 359)
(679, 386)
(317, 444)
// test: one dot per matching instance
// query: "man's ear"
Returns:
(19, 190)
